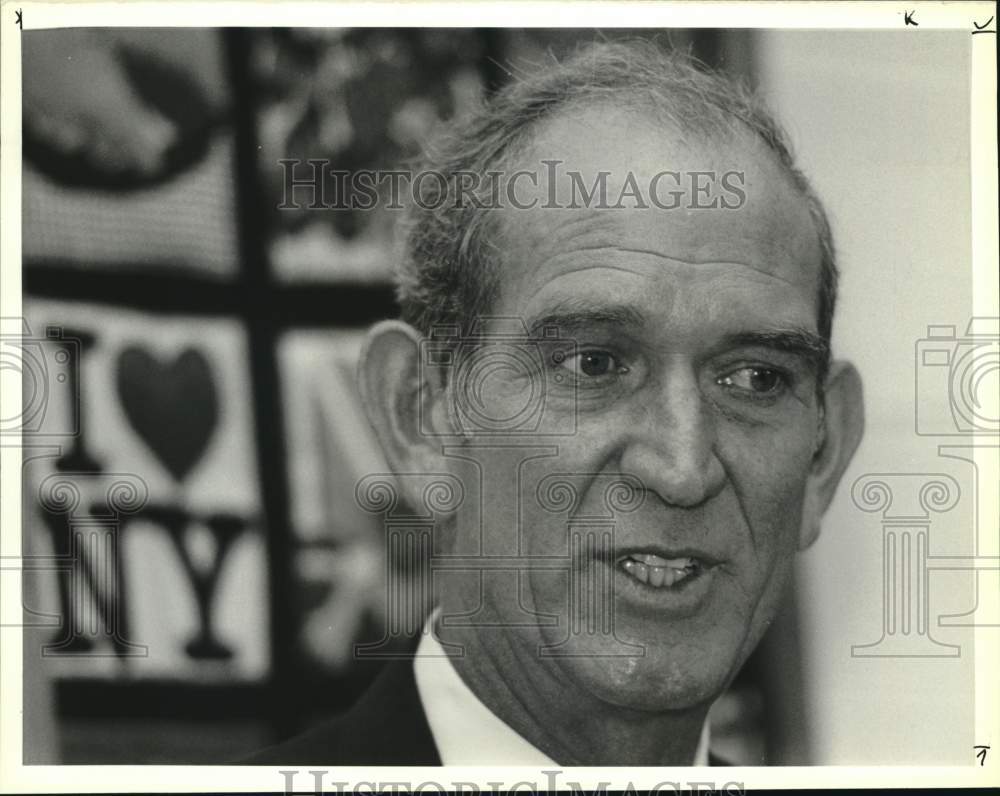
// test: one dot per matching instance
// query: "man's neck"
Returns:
(535, 698)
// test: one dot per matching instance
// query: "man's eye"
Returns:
(759, 382)
(593, 364)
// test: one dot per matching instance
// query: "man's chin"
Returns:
(654, 683)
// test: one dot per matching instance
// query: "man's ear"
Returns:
(844, 425)
(404, 406)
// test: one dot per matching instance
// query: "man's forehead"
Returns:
(770, 230)
(660, 296)
(622, 141)
(614, 173)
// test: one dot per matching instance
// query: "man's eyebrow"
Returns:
(793, 341)
(572, 314)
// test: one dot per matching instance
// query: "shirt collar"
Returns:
(465, 731)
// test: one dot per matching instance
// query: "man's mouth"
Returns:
(660, 572)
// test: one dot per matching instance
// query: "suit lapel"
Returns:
(387, 725)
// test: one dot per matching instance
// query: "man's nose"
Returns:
(672, 448)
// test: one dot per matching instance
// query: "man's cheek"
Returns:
(598, 436)
(767, 561)
(543, 534)
(771, 490)
(768, 470)
(774, 519)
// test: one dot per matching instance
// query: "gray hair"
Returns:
(449, 271)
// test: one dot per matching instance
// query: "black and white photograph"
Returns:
(408, 396)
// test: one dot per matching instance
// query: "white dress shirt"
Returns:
(465, 731)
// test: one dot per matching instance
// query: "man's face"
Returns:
(692, 373)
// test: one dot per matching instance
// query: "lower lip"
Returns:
(684, 598)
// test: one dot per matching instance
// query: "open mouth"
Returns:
(660, 572)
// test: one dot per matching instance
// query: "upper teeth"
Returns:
(655, 561)
(657, 571)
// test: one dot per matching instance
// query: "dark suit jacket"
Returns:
(386, 727)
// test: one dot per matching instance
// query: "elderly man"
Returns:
(671, 273)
